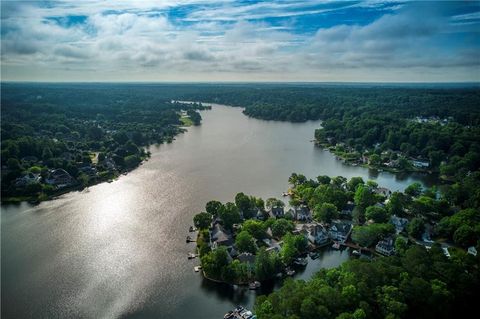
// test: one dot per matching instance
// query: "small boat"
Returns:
(192, 229)
(197, 268)
(314, 255)
(191, 256)
(356, 253)
(300, 262)
(254, 285)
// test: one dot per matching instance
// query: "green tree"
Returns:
(325, 212)
(282, 226)
(229, 214)
(245, 242)
(369, 235)
(213, 207)
(254, 228)
(202, 220)
(214, 262)
(465, 236)
(377, 214)
(416, 227)
(364, 197)
(354, 182)
(414, 190)
(323, 179)
(396, 204)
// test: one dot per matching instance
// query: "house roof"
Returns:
(246, 258)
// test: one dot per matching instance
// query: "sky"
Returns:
(245, 41)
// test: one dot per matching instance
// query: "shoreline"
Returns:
(342, 157)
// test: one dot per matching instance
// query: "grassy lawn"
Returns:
(186, 121)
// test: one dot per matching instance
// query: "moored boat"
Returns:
(300, 262)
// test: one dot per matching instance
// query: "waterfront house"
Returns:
(385, 247)
(385, 192)
(347, 210)
(60, 178)
(27, 179)
(472, 250)
(220, 236)
(399, 223)
(302, 213)
(277, 212)
(340, 230)
(419, 163)
(318, 235)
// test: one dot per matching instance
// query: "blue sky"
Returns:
(188, 40)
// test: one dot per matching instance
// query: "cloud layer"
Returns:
(235, 41)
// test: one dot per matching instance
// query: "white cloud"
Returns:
(138, 41)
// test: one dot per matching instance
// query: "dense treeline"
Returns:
(93, 132)
(433, 124)
(418, 283)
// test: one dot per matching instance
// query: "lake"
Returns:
(118, 249)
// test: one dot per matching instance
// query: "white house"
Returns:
(385, 247)
(339, 231)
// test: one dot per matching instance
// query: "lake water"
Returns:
(118, 249)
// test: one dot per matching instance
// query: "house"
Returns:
(59, 177)
(272, 245)
(220, 236)
(348, 209)
(385, 247)
(339, 231)
(260, 215)
(28, 179)
(472, 250)
(318, 235)
(277, 212)
(248, 259)
(302, 213)
(385, 192)
(420, 163)
(399, 223)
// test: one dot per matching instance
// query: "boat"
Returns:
(191, 256)
(254, 285)
(356, 253)
(314, 255)
(239, 313)
(300, 262)
(197, 268)
(192, 229)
